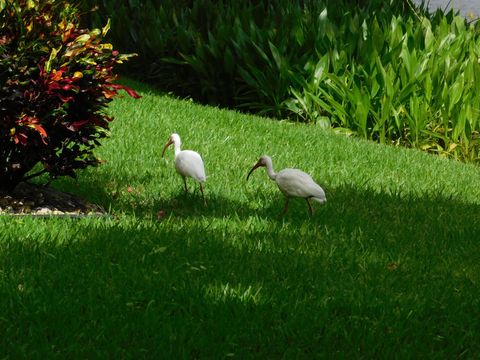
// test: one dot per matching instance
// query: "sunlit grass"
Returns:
(388, 267)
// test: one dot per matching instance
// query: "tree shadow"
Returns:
(374, 212)
(178, 204)
(330, 284)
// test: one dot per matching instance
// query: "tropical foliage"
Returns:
(55, 81)
(383, 70)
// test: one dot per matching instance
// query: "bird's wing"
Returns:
(190, 163)
(293, 182)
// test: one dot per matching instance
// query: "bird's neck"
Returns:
(176, 146)
(269, 168)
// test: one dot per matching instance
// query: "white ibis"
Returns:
(188, 163)
(292, 183)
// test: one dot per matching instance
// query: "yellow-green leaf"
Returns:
(77, 75)
(53, 55)
(106, 46)
(83, 38)
(452, 146)
(95, 32)
(106, 28)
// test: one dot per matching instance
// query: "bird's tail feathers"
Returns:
(321, 200)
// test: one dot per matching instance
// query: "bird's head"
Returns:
(173, 139)
(264, 159)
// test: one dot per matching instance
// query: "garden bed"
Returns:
(39, 200)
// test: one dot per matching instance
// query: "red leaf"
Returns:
(74, 126)
(109, 94)
(57, 75)
(20, 137)
(41, 131)
(70, 87)
(4, 40)
(54, 86)
(129, 91)
(65, 99)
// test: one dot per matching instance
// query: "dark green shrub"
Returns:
(55, 82)
(382, 70)
(225, 52)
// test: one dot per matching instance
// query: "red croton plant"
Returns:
(56, 80)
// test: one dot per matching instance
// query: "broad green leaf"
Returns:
(378, 36)
(386, 78)
(456, 92)
(330, 103)
(375, 87)
(428, 88)
(299, 99)
(322, 21)
(364, 31)
(459, 126)
(468, 129)
(299, 35)
(261, 52)
(362, 108)
(276, 56)
(324, 122)
(320, 68)
(429, 38)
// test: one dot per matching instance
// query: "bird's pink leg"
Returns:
(203, 195)
(309, 207)
(185, 184)
(285, 208)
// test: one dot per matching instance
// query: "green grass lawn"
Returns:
(387, 268)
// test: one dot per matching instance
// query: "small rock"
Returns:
(42, 211)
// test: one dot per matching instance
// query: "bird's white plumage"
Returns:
(189, 163)
(296, 183)
(292, 183)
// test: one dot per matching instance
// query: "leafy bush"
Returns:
(232, 53)
(418, 85)
(55, 82)
(382, 70)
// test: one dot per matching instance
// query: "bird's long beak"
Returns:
(170, 142)
(257, 165)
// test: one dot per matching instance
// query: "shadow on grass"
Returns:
(372, 212)
(367, 266)
(181, 204)
(379, 267)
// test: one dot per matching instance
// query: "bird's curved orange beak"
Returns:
(257, 165)
(170, 142)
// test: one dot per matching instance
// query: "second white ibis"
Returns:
(188, 163)
(292, 183)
